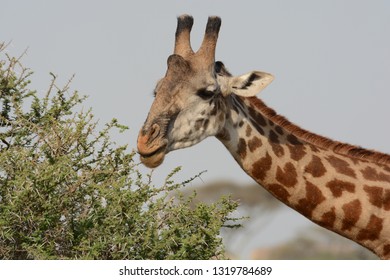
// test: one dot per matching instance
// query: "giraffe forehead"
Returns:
(191, 67)
(183, 83)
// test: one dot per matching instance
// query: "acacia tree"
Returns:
(67, 191)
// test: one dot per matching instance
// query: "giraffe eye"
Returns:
(205, 94)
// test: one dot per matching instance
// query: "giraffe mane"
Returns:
(318, 140)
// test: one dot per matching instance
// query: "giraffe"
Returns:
(340, 187)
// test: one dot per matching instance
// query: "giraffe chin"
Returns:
(153, 161)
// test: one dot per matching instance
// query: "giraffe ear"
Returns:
(250, 84)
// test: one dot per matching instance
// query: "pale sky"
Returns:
(330, 59)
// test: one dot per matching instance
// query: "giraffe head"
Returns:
(190, 100)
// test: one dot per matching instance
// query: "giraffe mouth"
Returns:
(153, 159)
(153, 144)
(152, 154)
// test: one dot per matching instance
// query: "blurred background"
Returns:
(331, 61)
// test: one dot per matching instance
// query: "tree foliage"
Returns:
(67, 191)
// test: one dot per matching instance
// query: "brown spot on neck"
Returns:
(257, 120)
(313, 198)
(372, 174)
(337, 187)
(279, 192)
(258, 128)
(314, 149)
(374, 195)
(386, 251)
(273, 137)
(261, 167)
(352, 212)
(296, 152)
(287, 176)
(293, 140)
(277, 149)
(279, 130)
(328, 218)
(254, 143)
(378, 196)
(341, 166)
(275, 144)
(386, 200)
(241, 148)
(296, 148)
(248, 131)
(315, 167)
(257, 117)
(373, 229)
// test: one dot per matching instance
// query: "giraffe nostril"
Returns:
(154, 132)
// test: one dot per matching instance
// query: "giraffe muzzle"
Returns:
(151, 146)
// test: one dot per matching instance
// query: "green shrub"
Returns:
(67, 191)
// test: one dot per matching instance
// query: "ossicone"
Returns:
(209, 43)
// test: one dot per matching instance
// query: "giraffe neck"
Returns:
(338, 186)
